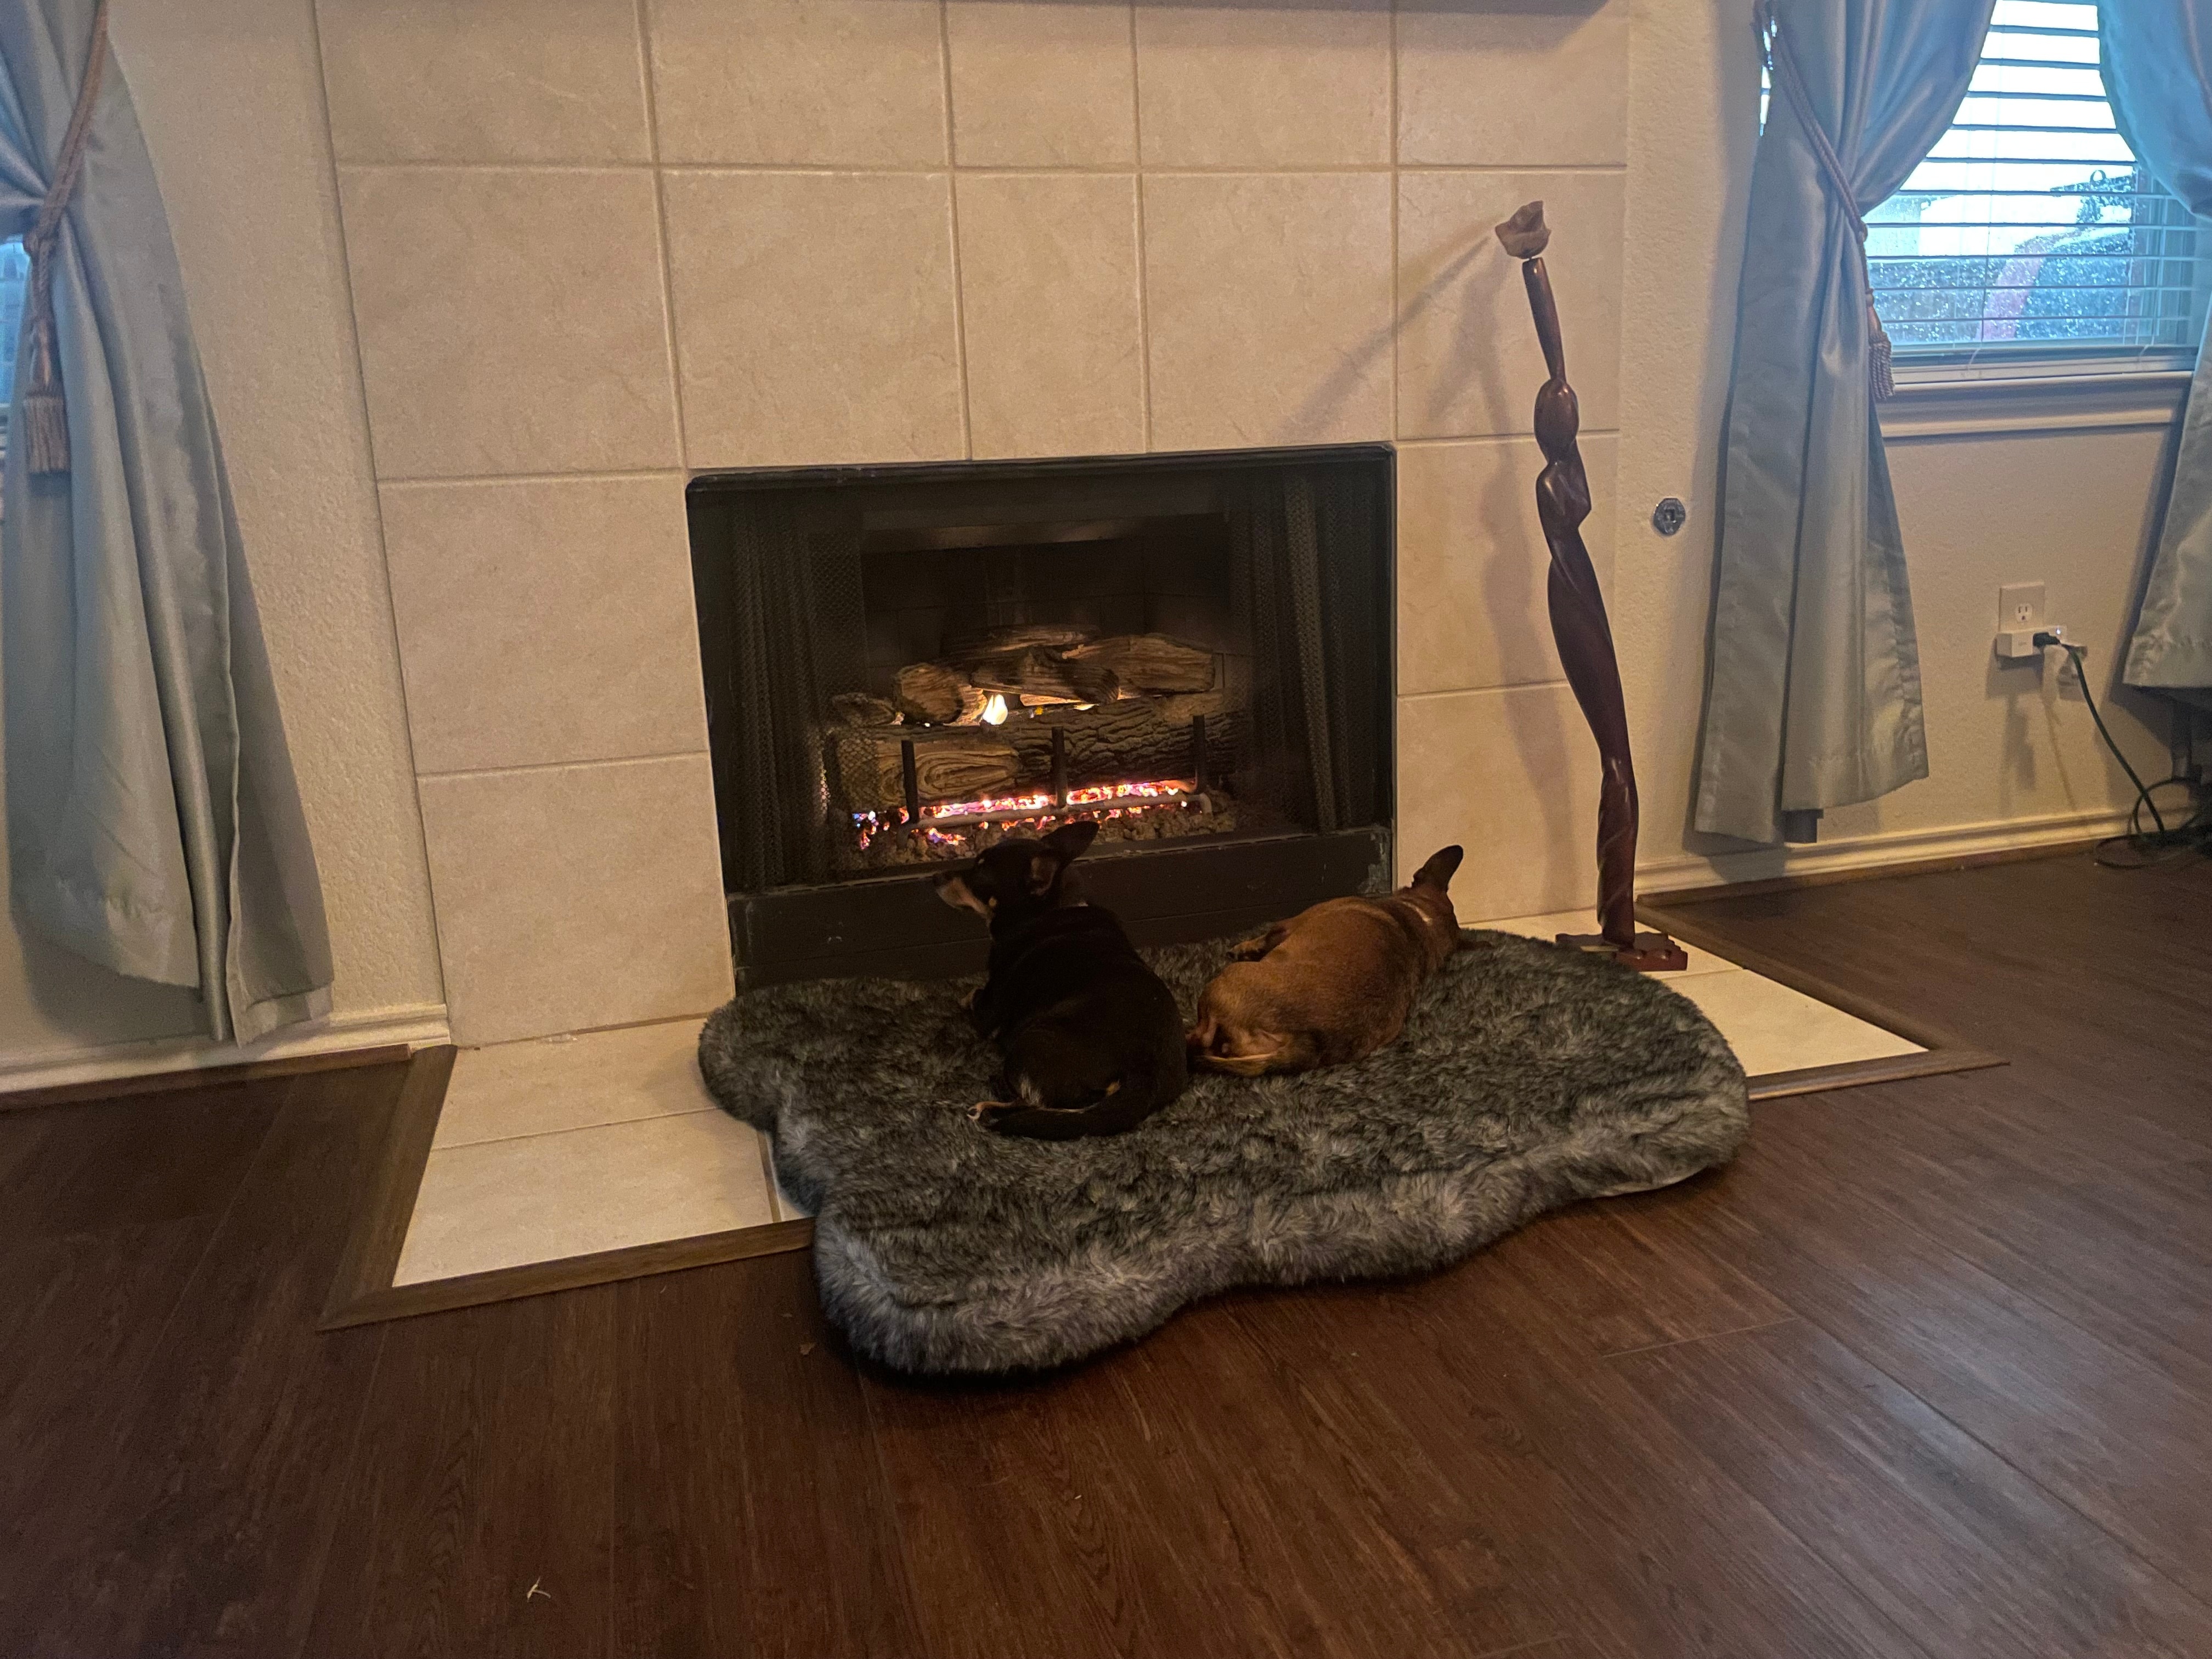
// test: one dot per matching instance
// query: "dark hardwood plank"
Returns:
(1617, 1527)
(476, 1517)
(1949, 1540)
(1620, 1290)
(208, 1525)
(1371, 1545)
(191, 1078)
(130, 1163)
(750, 1513)
(2119, 1257)
(1034, 1519)
(81, 1316)
(2114, 1435)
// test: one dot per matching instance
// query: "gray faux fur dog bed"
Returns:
(1529, 1077)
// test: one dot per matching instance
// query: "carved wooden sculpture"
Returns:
(1578, 621)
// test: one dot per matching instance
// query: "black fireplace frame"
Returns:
(1165, 892)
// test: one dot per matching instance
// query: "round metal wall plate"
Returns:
(1669, 516)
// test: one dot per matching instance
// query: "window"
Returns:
(14, 273)
(2030, 229)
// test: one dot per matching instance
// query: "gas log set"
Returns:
(1013, 731)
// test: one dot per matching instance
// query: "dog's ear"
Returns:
(1062, 848)
(1439, 870)
(955, 892)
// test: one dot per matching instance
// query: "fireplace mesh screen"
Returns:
(904, 665)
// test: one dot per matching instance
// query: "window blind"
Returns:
(2030, 226)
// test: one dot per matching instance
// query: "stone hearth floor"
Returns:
(566, 1145)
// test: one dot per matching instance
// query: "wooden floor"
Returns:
(1928, 1372)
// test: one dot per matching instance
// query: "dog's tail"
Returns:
(1124, 1105)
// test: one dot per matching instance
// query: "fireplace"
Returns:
(904, 665)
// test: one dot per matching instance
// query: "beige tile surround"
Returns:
(597, 245)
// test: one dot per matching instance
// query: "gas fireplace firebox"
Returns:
(907, 664)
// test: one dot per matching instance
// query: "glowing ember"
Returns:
(994, 711)
(1100, 800)
(1168, 791)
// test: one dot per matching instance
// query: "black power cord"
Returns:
(2195, 836)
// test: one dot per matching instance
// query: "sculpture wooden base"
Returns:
(1654, 953)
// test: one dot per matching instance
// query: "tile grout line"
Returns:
(660, 221)
(1481, 690)
(599, 476)
(1397, 252)
(1524, 435)
(602, 475)
(952, 211)
(578, 1129)
(559, 766)
(1143, 258)
(873, 170)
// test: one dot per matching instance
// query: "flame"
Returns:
(994, 711)
(1118, 799)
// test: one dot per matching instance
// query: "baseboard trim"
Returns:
(1899, 852)
(1893, 1068)
(349, 1305)
(368, 1037)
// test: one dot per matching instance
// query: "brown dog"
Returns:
(1332, 984)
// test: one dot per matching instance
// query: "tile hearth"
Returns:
(561, 1146)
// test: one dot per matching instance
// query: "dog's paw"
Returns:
(1251, 950)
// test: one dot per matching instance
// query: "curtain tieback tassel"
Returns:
(1881, 382)
(46, 412)
(1881, 379)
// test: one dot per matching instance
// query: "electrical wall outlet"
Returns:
(2020, 606)
(2019, 617)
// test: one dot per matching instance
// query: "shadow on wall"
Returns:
(1470, 347)
(1542, 730)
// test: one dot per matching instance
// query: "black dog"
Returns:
(1093, 1040)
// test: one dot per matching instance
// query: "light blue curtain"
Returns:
(1813, 698)
(2158, 73)
(153, 824)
